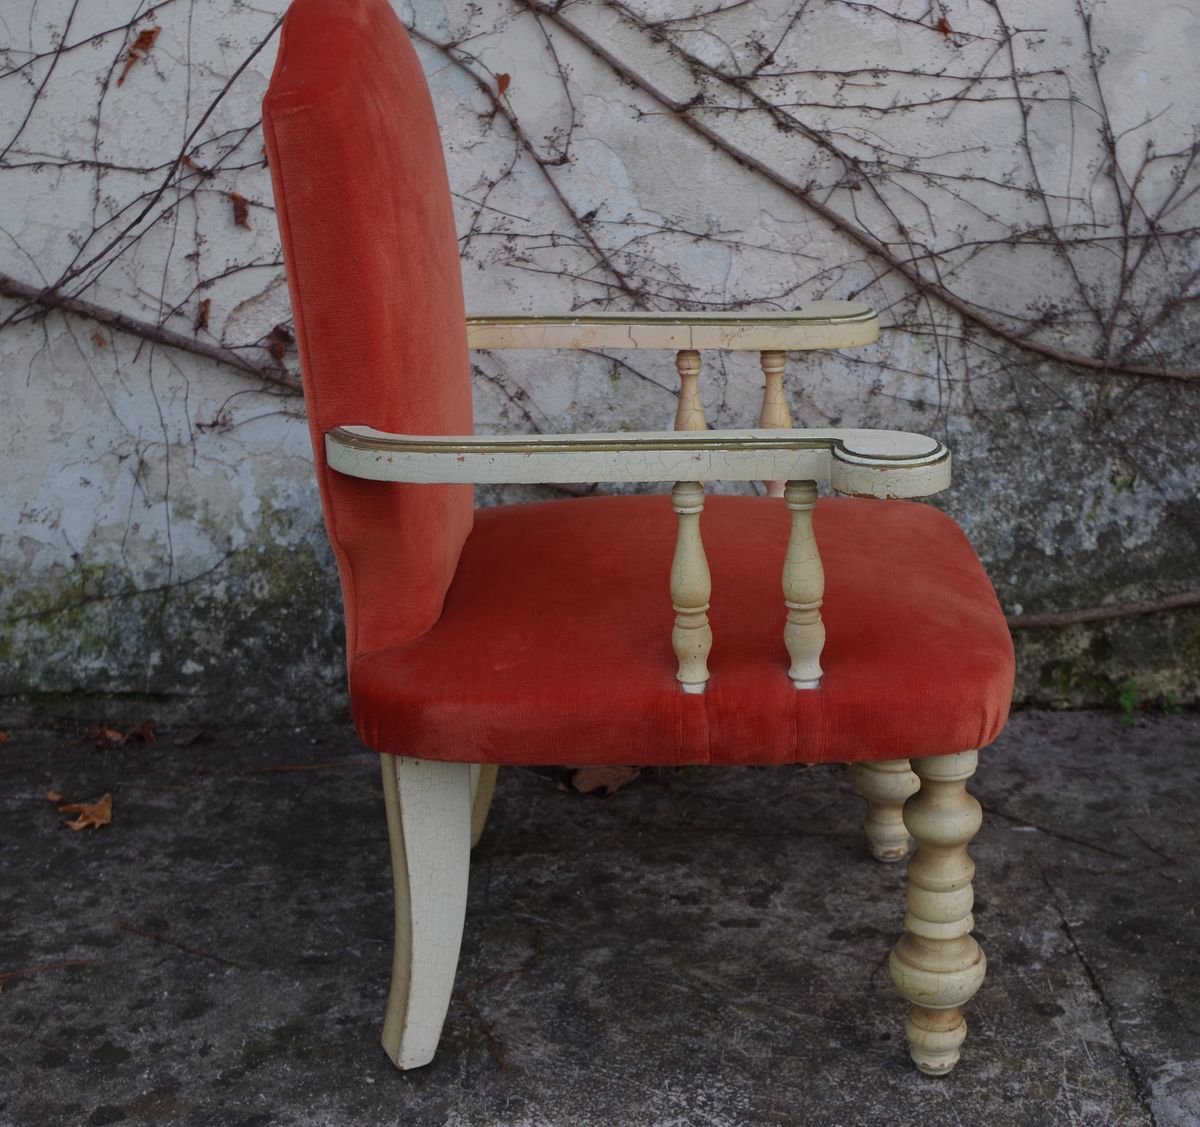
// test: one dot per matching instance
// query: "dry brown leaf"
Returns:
(241, 208)
(502, 83)
(145, 732)
(139, 49)
(278, 340)
(94, 814)
(53, 796)
(4, 736)
(105, 737)
(198, 169)
(201, 321)
(612, 779)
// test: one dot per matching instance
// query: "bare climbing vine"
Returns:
(1031, 245)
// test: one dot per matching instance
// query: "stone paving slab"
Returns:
(705, 947)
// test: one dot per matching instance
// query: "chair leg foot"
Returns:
(885, 785)
(429, 831)
(937, 965)
(483, 786)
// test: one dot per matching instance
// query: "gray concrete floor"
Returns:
(705, 947)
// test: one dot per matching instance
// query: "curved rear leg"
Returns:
(429, 831)
(483, 786)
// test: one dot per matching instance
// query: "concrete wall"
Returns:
(1020, 205)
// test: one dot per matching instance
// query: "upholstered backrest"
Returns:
(372, 260)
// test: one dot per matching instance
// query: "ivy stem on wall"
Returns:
(50, 299)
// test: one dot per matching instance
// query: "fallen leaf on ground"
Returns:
(105, 737)
(94, 814)
(53, 796)
(4, 736)
(612, 779)
(144, 732)
(502, 81)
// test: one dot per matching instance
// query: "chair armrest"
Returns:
(870, 463)
(820, 324)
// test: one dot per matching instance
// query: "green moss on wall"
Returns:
(256, 639)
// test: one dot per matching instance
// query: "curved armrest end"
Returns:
(862, 462)
(858, 474)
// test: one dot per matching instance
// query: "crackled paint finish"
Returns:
(429, 815)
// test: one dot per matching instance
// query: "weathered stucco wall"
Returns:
(1021, 205)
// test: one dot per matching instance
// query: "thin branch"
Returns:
(158, 937)
(902, 266)
(1104, 613)
(158, 334)
(6, 975)
(499, 107)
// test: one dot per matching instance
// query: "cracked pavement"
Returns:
(705, 947)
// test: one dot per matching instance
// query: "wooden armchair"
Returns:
(580, 631)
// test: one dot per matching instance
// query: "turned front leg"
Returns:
(885, 785)
(691, 588)
(937, 965)
(803, 588)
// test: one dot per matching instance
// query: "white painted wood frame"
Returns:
(483, 786)
(803, 588)
(937, 964)
(885, 784)
(820, 324)
(774, 413)
(865, 463)
(436, 811)
(428, 807)
(691, 588)
(689, 415)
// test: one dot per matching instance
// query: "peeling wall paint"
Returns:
(160, 542)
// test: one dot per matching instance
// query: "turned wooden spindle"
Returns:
(689, 415)
(774, 414)
(803, 588)
(937, 965)
(885, 785)
(691, 587)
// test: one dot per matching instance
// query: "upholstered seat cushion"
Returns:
(554, 642)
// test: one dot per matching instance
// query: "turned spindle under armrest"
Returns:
(870, 463)
(803, 588)
(691, 588)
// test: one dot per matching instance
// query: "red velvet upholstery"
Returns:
(372, 257)
(554, 642)
(554, 646)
